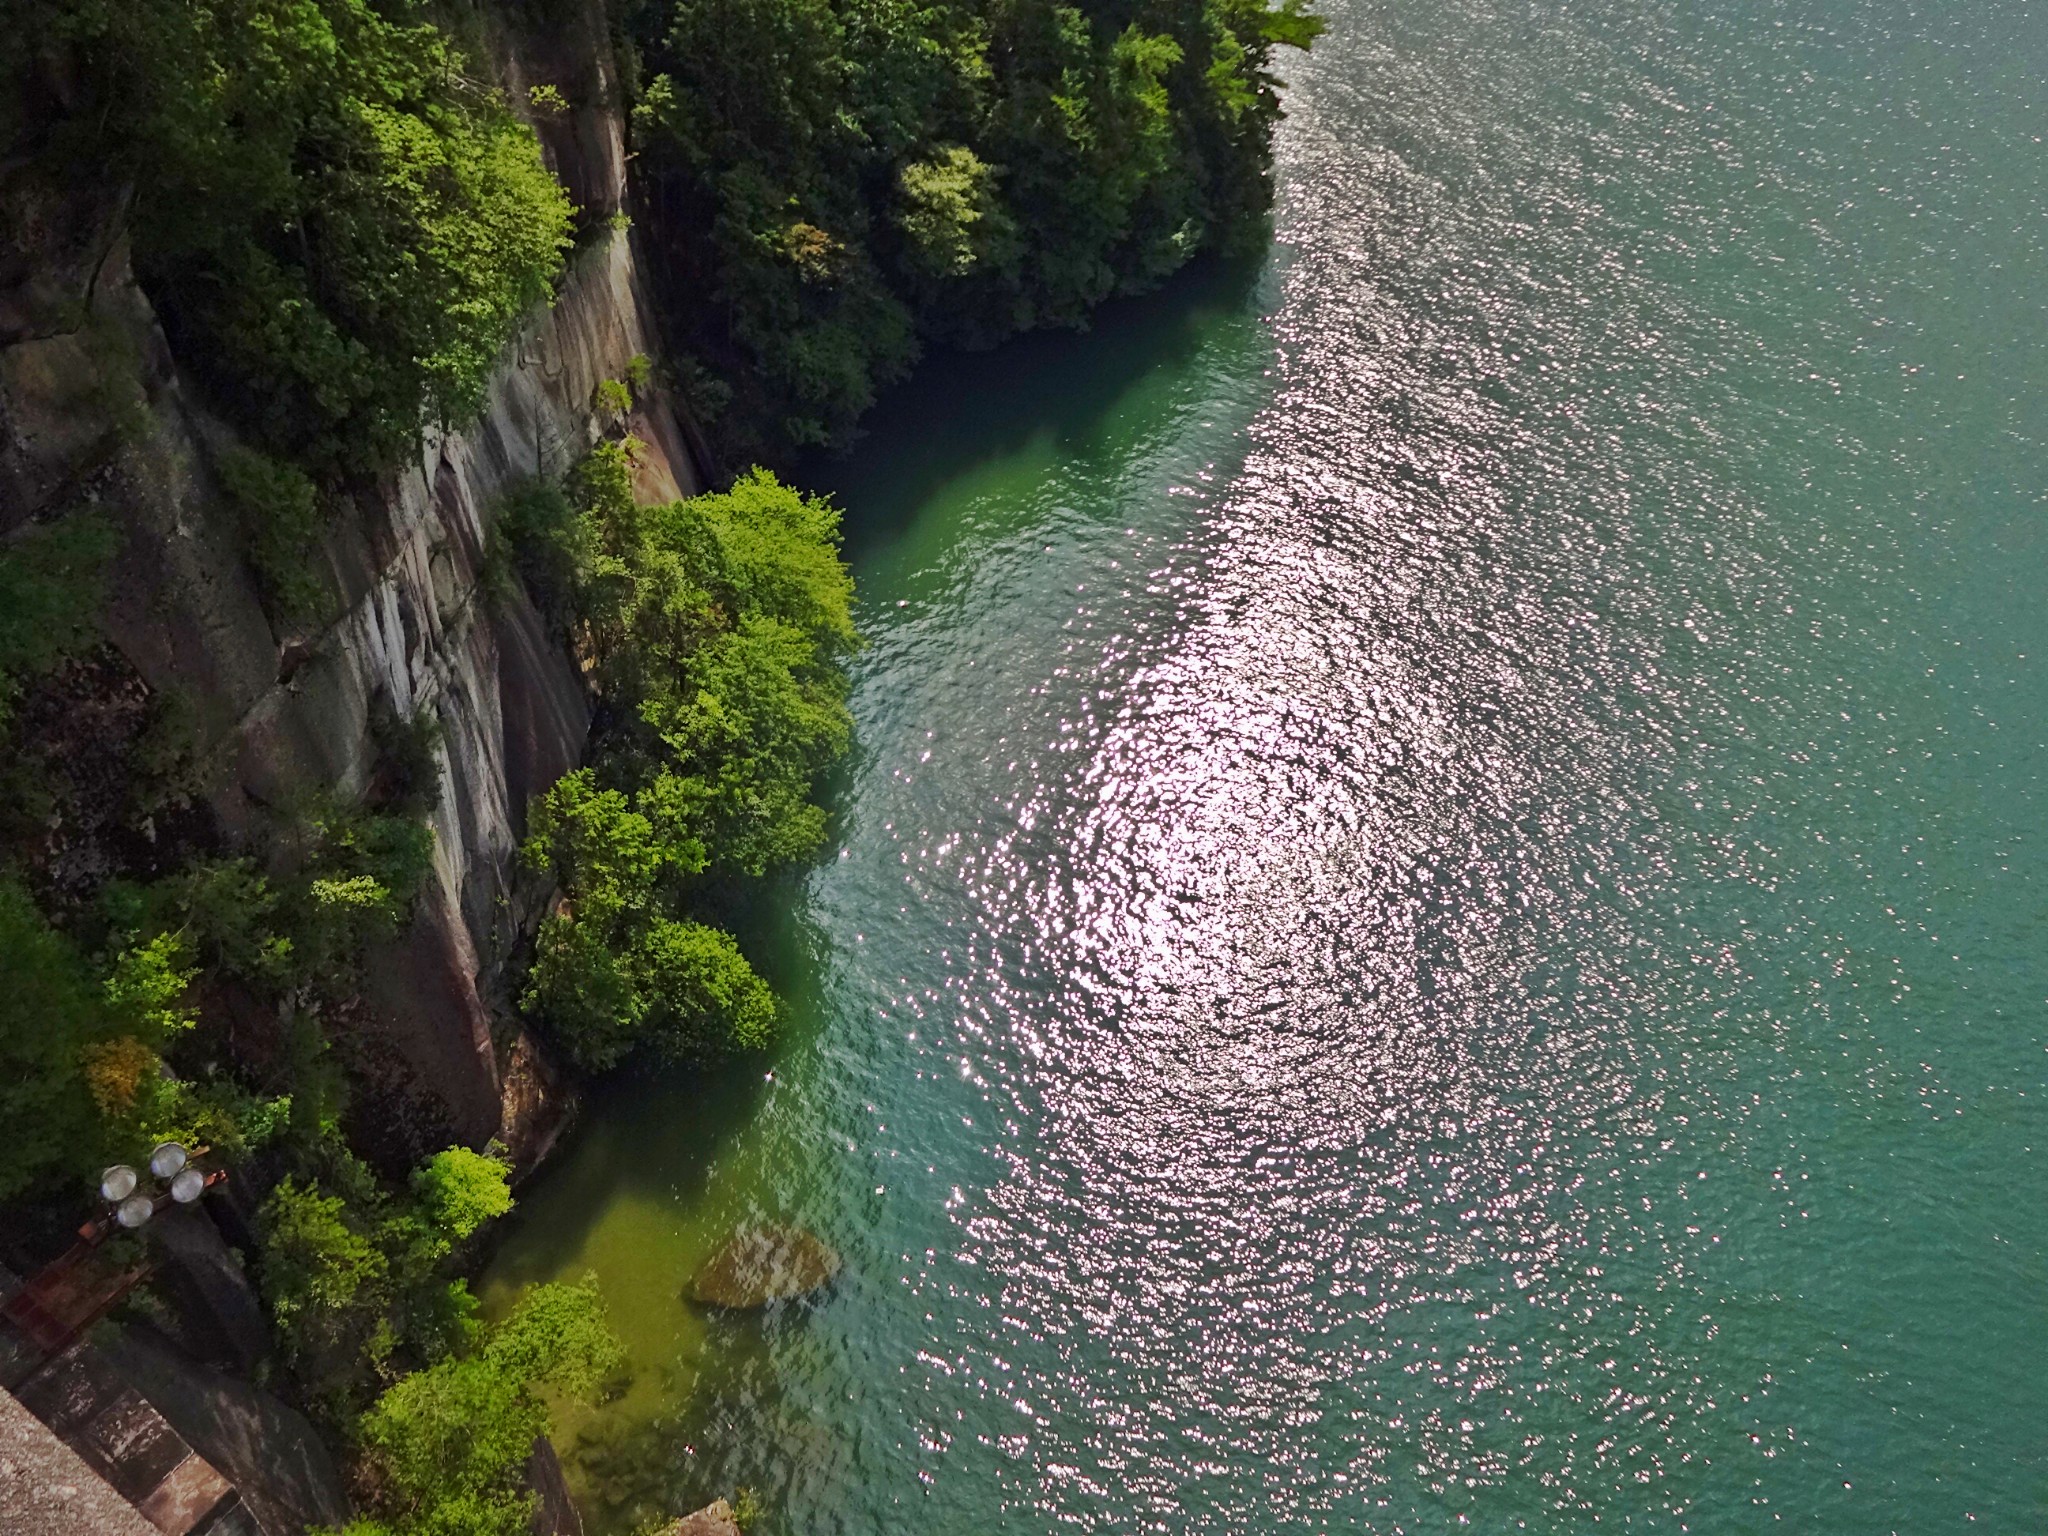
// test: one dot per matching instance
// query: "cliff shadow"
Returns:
(960, 410)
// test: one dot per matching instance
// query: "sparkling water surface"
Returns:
(1439, 916)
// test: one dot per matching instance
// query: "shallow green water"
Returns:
(1440, 916)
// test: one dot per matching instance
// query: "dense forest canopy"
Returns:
(849, 178)
(340, 217)
(339, 222)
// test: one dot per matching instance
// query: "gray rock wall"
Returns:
(93, 412)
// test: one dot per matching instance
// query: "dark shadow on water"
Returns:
(962, 409)
(658, 1130)
(654, 1131)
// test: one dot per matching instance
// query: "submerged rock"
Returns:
(714, 1519)
(764, 1263)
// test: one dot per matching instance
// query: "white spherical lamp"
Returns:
(134, 1211)
(117, 1183)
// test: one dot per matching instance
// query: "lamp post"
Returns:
(201, 1278)
(73, 1291)
(174, 1180)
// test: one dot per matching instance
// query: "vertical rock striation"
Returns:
(94, 414)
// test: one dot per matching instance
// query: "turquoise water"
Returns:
(1439, 918)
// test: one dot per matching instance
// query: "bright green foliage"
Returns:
(323, 1275)
(228, 912)
(82, 1077)
(1292, 24)
(292, 939)
(720, 623)
(598, 845)
(354, 883)
(94, 1065)
(448, 1445)
(692, 971)
(846, 180)
(364, 893)
(717, 627)
(460, 1190)
(951, 218)
(148, 987)
(338, 222)
(148, 995)
(582, 988)
(344, 877)
(608, 980)
(356, 1278)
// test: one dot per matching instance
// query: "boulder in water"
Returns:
(714, 1519)
(764, 1263)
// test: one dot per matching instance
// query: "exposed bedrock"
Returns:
(94, 412)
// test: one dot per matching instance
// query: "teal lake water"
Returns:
(1441, 916)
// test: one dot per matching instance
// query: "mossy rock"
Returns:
(764, 1263)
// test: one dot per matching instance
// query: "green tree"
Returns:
(57, 1014)
(718, 627)
(356, 1277)
(952, 217)
(460, 1190)
(324, 1277)
(846, 182)
(448, 1445)
(339, 223)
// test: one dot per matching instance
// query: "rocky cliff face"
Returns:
(93, 412)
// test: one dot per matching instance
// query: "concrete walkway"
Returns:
(46, 1489)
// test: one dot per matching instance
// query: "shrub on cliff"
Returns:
(278, 515)
(717, 628)
(340, 223)
(52, 577)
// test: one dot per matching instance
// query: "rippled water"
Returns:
(1441, 911)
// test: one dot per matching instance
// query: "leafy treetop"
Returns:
(717, 628)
